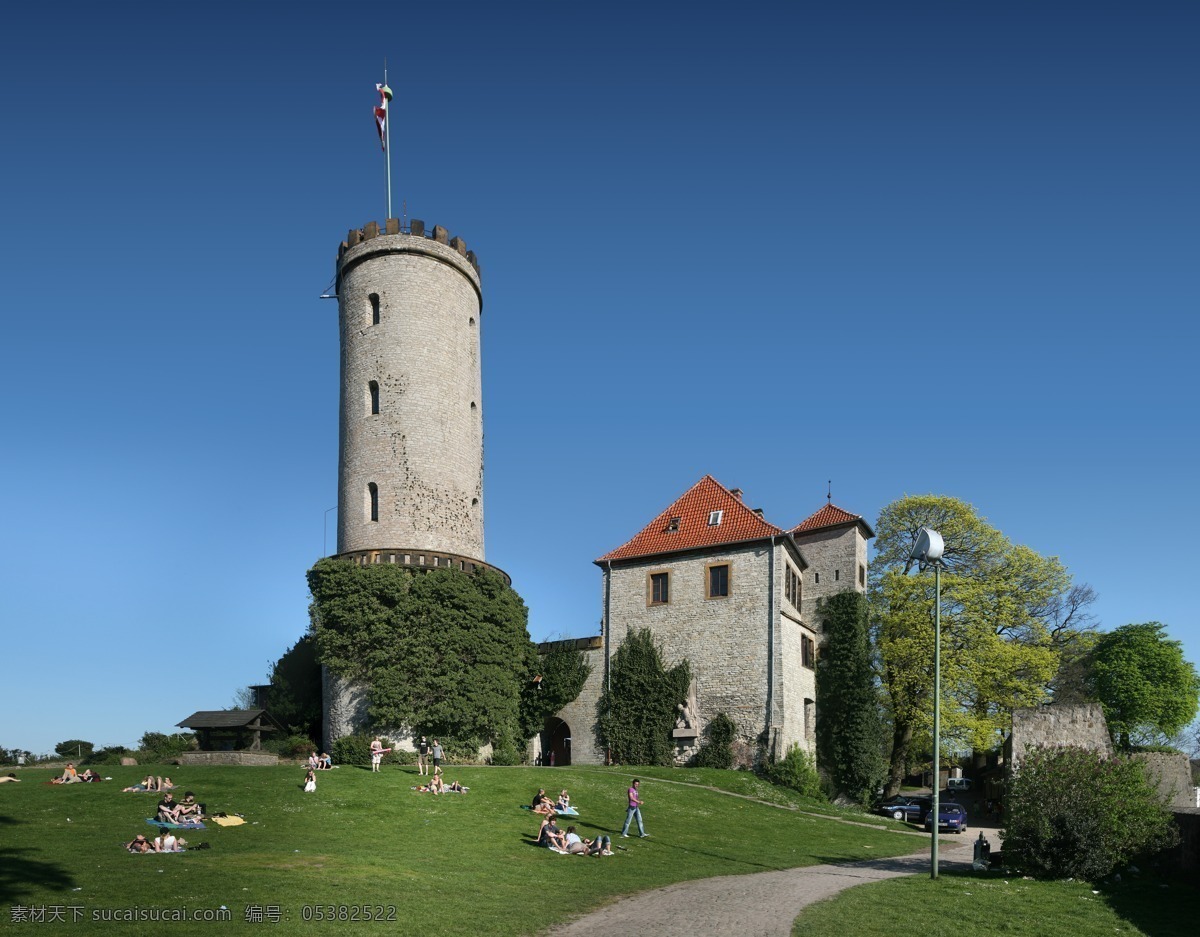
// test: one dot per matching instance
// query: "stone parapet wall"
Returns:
(1171, 773)
(1081, 725)
(580, 715)
(191, 759)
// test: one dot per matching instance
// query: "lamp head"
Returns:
(927, 550)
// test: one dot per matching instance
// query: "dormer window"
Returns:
(673, 525)
(714, 518)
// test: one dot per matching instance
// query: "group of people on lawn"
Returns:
(71, 776)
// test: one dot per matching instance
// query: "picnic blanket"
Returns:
(227, 821)
(186, 825)
(566, 812)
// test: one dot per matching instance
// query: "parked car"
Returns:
(903, 808)
(958, 784)
(951, 817)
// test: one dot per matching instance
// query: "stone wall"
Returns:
(835, 557)
(1053, 726)
(1171, 773)
(423, 449)
(580, 714)
(190, 759)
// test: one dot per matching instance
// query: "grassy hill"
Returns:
(455, 864)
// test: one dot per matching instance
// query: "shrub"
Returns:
(505, 753)
(796, 770)
(353, 749)
(156, 746)
(74, 749)
(111, 755)
(1074, 814)
(717, 752)
(290, 746)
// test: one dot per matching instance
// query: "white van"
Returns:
(958, 784)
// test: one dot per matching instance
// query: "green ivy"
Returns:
(638, 707)
(717, 751)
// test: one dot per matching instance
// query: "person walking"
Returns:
(635, 810)
(422, 755)
(437, 754)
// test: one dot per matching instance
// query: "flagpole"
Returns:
(387, 145)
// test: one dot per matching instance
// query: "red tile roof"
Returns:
(830, 516)
(738, 523)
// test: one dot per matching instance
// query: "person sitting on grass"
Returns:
(69, 775)
(188, 810)
(436, 784)
(165, 784)
(551, 836)
(564, 802)
(542, 804)
(575, 846)
(139, 844)
(168, 809)
(310, 781)
(166, 841)
(324, 762)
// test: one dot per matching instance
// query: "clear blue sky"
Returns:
(909, 247)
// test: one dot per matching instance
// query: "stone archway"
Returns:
(556, 742)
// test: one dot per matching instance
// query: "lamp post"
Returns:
(927, 551)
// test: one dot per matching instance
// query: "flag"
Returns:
(381, 113)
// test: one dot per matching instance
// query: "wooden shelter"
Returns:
(224, 730)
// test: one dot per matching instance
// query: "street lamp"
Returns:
(928, 552)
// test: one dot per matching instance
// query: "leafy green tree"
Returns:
(1148, 691)
(638, 707)
(295, 694)
(849, 728)
(75, 749)
(444, 653)
(1007, 615)
(1074, 813)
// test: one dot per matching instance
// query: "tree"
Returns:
(443, 652)
(1074, 813)
(849, 729)
(295, 694)
(76, 749)
(1148, 691)
(1007, 614)
(638, 707)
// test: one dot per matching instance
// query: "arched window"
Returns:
(373, 498)
(374, 297)
(373, 386)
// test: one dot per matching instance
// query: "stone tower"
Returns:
(410, 466)
(410, 471)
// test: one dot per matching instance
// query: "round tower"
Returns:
(410, 470)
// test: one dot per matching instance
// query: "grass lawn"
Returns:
(450, 865)
(959, 904)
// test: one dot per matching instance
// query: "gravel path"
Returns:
(765, 903)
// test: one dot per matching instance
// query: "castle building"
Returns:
(738, 597)
(410, 465)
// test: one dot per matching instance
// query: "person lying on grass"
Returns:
(147, 784)
(10, 777)
(139, 844)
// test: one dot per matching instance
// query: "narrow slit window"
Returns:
(373, 387)
(374, 297)
(373, 500)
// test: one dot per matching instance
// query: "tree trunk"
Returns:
(901, 740)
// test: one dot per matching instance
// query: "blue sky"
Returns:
(907, 247)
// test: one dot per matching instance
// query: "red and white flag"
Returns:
(381, 113)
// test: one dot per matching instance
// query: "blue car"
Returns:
(951, 817)
(903, 808)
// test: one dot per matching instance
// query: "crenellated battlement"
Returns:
(415, 228)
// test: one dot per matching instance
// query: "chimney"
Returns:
(736, 492)
(758, 511)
